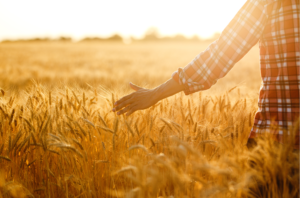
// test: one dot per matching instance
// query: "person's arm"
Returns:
(236, 40)
(239, 36)
(145, 98)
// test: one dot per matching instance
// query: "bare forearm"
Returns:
(166, 89)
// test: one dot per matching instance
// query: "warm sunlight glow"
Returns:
(34, 18)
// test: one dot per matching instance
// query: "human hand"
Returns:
(138, 100)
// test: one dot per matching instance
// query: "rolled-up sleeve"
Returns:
(240, 35)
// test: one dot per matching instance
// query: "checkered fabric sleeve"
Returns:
(235, 41)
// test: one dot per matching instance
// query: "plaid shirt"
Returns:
(275, 24)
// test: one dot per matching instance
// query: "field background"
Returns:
(59, 137)
(112, 65)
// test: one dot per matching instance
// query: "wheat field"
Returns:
(59, 137)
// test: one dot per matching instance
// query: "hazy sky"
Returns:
(78, 19)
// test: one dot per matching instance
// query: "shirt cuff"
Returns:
(176, 77)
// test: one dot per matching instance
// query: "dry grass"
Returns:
(59, 137)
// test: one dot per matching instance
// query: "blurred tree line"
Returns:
(152, 34)
(45, 39)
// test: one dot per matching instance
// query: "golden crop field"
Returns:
(59, 137)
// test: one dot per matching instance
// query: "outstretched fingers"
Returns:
(131, 111)
(122, 105)
(122, 100)
(125, 110)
